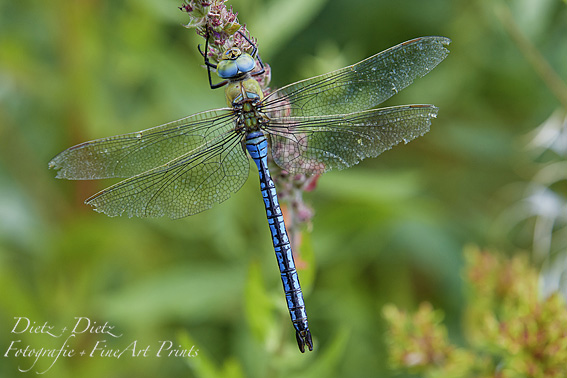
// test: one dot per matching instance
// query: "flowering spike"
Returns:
(213, 20)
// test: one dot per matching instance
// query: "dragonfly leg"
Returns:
(209, 64)
(254, 54)
(262, 71)
(254, 47)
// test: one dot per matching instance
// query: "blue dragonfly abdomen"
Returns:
(257, 146)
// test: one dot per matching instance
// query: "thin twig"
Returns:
(540, 65)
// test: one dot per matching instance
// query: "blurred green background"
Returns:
(389, 230)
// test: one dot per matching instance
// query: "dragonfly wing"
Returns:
(361, 86)
(131, 154)
(184, 186)
(313, 145)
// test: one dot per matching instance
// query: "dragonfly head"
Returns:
(235, 63)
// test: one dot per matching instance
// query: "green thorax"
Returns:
(244, 95)
(241, 91)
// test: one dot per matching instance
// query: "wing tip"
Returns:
(444, 40)
(59, 169)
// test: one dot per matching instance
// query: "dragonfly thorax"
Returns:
(245, 97)
(246, 90)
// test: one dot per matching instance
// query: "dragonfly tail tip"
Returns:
(304, 338)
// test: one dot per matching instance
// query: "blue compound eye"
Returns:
(245, 63)
(227, 69)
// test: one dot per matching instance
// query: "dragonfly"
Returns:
(312, 126)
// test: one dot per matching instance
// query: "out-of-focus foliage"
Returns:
(510, 331)
(390, 230)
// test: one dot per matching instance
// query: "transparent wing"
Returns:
(361, 86)
(130, 154)
(313, 145)
(176, 169)
(185, 186)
